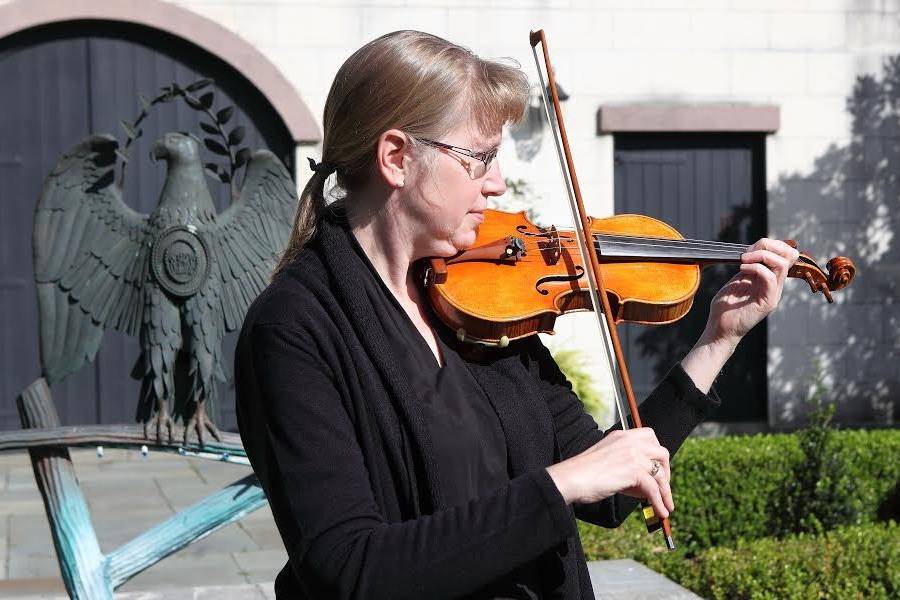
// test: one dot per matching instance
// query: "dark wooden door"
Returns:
(61, 83)
(710, 187)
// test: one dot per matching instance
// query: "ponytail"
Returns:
(310, 209)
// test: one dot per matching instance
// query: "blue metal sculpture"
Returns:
(87, 573)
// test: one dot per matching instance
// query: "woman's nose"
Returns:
(494, 183)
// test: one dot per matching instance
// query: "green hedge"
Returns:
(850, 562)
(728, 489)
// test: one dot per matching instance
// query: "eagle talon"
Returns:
(201, 422)
(160, 420)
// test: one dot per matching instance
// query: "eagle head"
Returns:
(176, 148)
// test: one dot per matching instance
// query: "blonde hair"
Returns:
(402, 80)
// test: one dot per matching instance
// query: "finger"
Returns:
(777, 246)
(646, 434)
(650, 487)
(665, 489)
(759, 244)
(789, 253)
(779, 264)
(657, 451)
(770, 281)
(662, 455)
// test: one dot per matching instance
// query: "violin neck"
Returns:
(622, 248)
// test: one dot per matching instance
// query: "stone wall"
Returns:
(832, 168)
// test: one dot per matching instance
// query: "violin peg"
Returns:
(791, 243)
(812, 284)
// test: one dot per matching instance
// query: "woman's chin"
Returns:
(464, 241)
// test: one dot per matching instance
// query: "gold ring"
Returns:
(655, 468)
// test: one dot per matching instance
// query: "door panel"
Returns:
(710, 187)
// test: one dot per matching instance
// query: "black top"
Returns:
(468, 442)
(343, 449)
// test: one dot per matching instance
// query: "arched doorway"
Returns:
(64, 80)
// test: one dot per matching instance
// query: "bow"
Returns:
(596, 286)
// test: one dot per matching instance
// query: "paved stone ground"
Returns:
(128, 493)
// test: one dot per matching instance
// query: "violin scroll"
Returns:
(841, 271)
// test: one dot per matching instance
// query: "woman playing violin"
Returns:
(398, 465)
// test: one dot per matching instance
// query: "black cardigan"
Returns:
(332, 430)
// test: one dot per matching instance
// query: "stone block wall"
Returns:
(832, 168)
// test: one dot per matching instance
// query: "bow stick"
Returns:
(596, 286)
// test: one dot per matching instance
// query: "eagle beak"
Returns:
(158, 152)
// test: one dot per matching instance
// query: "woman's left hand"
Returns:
(751, 294)
(741, 303)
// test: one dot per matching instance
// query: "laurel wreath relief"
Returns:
(219, 141)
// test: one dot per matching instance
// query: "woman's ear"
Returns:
(393, 148)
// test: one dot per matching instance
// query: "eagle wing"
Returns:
(90, 257)
(251, 234)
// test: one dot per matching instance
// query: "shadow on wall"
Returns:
(848, 205)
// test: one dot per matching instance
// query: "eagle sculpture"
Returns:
(178, 278)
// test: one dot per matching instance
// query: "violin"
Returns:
(517, 277)
(534, 274)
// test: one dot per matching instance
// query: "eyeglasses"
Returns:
(476, 170)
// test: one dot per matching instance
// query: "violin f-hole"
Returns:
(579, 273)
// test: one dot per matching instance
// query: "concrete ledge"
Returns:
(764, 118)
(630, 580)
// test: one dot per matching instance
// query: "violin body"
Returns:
(490, 299)
(518, 278)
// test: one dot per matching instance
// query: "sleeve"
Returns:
(336, 537)
(673, 409)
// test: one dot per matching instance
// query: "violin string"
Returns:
(665, 248)
(658, 241)
(649, 260)
(655, 238)
(649, 240)
(608, 236)
(668, 248)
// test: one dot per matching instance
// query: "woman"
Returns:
(396, 464)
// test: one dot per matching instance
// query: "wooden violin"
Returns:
(518, 278)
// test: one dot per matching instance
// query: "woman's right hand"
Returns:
(619, 463)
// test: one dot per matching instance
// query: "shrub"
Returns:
(572, 364)
(724, 490)
(819, 496)
(850, 562)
